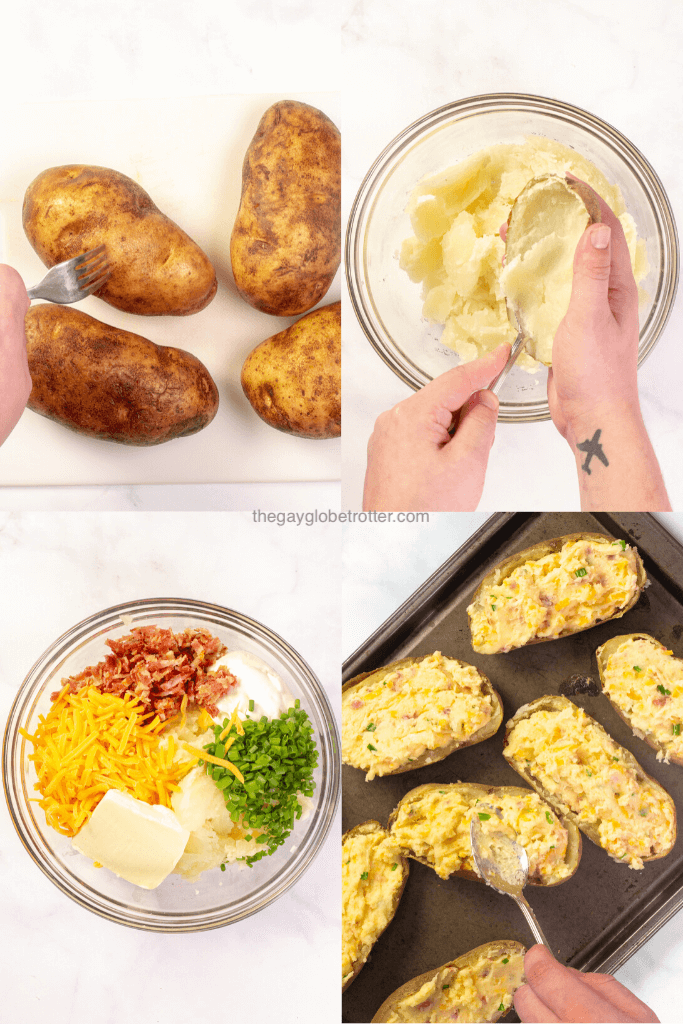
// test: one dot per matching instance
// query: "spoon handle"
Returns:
(517, 345)
(531, 920)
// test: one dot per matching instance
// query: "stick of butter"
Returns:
(137, 841)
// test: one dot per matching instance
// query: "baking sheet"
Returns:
(598, 918)
(187, 154)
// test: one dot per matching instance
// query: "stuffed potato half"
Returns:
(555, 588)
(576, 766)
(431, 824)
(414, 712)
(477, 986)
(374, 874)
(644, 683)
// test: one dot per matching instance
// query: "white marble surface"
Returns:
(165, 49)
(62, 962)
(621, 61)
(382, 566)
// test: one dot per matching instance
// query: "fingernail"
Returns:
(600, 236)
(488, 399)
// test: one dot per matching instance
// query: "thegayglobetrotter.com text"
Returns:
(317, 516)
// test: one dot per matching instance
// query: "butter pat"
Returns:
(137, 841)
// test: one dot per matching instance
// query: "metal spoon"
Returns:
(504, 865)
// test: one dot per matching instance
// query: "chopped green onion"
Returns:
(394, 866)
(663, 689)
(370, 747)
(581, 572)
(622, 542)
(251, 705)
(589, 773)
(364, 876)
(677, 729)
(637, 668)
(444, 987)
(615, 758)
(370, 727)
(276, 759)
(506, 960)
(493, 607)
(501, 1008)
(483, 817)
(549, 817)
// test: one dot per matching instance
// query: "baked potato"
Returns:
(293, 380)
(576, 766)
(644, 683)
(107, 383)
(156, 268)
(374, 874)
(414, 712)
(477, 986)
(431, 824)
(285, 246)
(546, 223)
(555, 588)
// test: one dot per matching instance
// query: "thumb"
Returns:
(477, 426)
(592, 263)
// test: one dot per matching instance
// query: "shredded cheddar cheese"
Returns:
(90, 742)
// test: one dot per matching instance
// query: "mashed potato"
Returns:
(457, 252)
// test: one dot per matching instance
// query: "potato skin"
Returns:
(293, 380)
(111, 384)
(540, 550)
(368, 828)
(474, 791)
(490, 949)
(603, 654)
(557, 703)
(286, 241)
(432, 756)
(156, 269)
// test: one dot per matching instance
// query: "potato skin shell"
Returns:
(431, 757)
(557, 703)
(285, 246)
(476, 791)
(367, 828)
(293, 380)
(540, 550)
(603, 655)
(111, 384)
(156, 268)
(507, 946)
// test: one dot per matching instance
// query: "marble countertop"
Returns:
(619, 60)
(63, 962)
(382, 567)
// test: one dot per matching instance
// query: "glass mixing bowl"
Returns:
(389, 306)
(217, 897)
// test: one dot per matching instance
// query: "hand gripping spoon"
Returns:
(504, 865)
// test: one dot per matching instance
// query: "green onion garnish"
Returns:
(394, 866)
(370, 727)
(483, 817)
(370, 747)
(581, 572)
(276, 759)
(663, 689)
(364, 877)
(637, 668)
(493, 607)
(506, 960)
(549, 817)
(677, 729)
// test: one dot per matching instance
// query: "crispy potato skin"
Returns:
(364, 829)
(557, 703)
(286, 242)
(473, 791)
(111, 384)
(490, 949)
(431, 756)
(603, 655)
(293, 380)
(540, 550)
(156, 269)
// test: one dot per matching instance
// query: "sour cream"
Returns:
(255, 681)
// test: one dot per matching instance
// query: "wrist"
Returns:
(618, 418)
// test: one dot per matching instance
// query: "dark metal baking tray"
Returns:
(602, 915)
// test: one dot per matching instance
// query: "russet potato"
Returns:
(286, 242)
(107, 383)
(293, 380)
(156, 268)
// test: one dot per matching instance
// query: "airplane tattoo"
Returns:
(592, 448)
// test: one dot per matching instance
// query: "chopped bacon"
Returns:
(546, 601)
(356, 704)
(160, 667)
(659, 702)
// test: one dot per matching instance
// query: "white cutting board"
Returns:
(187, 154)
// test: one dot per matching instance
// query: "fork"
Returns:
(73, 279)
